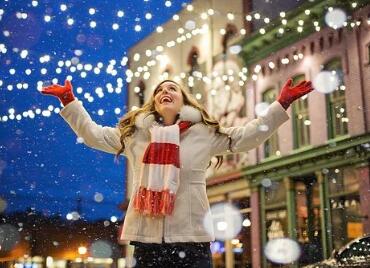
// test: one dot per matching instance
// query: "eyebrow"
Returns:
(161, 87)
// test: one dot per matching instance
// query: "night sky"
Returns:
(43, 166)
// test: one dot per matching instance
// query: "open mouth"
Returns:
(166, 99)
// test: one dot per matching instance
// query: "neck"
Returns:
(169, 120)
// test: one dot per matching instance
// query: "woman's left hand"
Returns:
(290, 93)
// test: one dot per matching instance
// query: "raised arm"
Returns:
(99, 137)
(255, 132)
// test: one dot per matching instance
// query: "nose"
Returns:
(165, 90)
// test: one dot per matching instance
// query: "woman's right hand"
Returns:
(64, 93)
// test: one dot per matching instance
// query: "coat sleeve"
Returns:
(103, 138)
(251, 135)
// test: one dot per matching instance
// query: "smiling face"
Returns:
(168, 99)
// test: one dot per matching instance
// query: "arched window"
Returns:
(301, 119)
(167, 73)
(336, 102)
(321, 43)
(139, 90)
(271, 146)
(192, 60)
(331, 38)
(230, 31)
(312, 47)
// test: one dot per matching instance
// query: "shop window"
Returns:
(276, 215)
(275, 205)
(271, 146)
(301, 119)
(230, 32)
(275, 193)
(241, 243)
(192, 60)
(308, 225)
(140, 90)
(218, 253)
(345, 207)
(336, 102)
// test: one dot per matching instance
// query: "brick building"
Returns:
(310, 181)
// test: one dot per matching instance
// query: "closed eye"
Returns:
(157, 91)
(174, 89)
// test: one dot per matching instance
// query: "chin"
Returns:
(169, 109)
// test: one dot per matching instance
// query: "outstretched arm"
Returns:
(255, 132)
(99, 137)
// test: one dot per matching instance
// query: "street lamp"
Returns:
(82, 251)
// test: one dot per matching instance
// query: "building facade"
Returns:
(310, 180)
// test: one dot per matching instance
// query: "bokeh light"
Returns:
(266, 182)
(224, 220)
(101, 249)
(326, 82)
(98, 197)
(335, 18)
(261, 108)
(282, 250)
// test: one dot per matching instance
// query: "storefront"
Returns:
(346, 217)
(318, 197)
(235, 252)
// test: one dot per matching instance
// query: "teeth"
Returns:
(166, 99)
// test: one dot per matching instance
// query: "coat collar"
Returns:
(187, 113)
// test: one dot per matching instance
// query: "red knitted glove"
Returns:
(289, 94)
(64, 93)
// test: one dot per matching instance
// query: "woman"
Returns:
(169, 143)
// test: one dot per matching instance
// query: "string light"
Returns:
(47, 18)
(181, 39)
(63, 7)
(120, 13)
(189, 7)
(144, 69)
(137, 28)
(91, 11)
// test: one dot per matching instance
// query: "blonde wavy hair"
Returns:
(127, 126)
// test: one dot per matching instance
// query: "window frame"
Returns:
(333, 101)
(300, 106)
(271, 145)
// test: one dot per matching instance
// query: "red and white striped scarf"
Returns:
(160, 171)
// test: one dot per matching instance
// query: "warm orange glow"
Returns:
(82, 250)
(18, 251)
